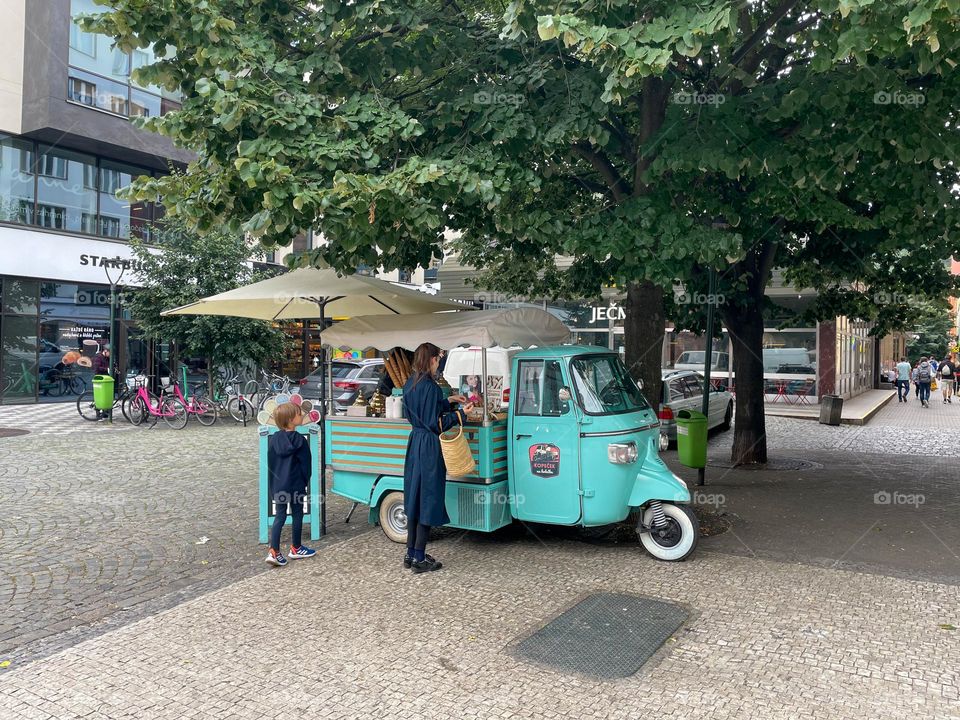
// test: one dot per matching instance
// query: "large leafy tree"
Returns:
(933, 333)
(190, 267)
(651, 141)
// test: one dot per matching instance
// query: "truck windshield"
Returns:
(604, 387)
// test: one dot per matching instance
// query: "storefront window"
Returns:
(67, 191)
(69, 353)
(16, 180)
(18, 358)
(790, 365)
(70, 300)
(20, 296)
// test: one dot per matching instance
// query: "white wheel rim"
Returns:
(686, 539)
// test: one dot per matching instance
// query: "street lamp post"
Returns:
(113, 313)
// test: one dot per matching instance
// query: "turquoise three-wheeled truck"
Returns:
(578, 445)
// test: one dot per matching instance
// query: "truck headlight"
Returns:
(622, 453)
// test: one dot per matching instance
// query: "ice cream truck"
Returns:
(577, 444)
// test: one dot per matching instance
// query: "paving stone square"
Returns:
(816, 601)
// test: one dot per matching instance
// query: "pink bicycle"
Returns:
(199, 404)
(144, 406)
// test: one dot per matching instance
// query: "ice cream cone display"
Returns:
(377, 405)
(270, 405)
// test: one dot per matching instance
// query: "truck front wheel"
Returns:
(676, 539)
(393, 518)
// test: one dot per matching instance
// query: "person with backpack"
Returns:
(915, 379)
(924, 378)
(946, 371)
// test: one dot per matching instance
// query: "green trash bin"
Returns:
(692, 438)
(102, 392)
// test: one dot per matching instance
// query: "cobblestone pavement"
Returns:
(899, 429)
(99, 529)
(55, 419)
(352, 635)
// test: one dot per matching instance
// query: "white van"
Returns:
(464, 367)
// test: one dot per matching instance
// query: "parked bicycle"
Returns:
(89, 411)
(199, 405)
(241, 406)
(149, 407)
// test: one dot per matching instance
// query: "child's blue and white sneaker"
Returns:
(301, 552)
(279, 560)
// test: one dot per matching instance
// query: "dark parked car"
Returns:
(350, 377)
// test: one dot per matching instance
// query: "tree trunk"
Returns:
(745, 325)
(643, 337)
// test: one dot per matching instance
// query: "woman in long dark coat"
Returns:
(424, 472)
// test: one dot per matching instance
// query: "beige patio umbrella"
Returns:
(308, 293)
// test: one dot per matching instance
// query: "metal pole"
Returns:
(110, 362)
(483, 384)
(708, 359)
(325, 370)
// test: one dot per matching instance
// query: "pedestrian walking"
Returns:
(925, 375)
(916, 380)
(424, 472)
(903, 380)
(290, 465)
(946, 371)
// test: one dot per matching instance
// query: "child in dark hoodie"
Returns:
(290, 465)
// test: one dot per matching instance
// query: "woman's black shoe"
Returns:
(426, 565)
(408, 561)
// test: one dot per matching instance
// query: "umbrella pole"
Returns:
(325, 369)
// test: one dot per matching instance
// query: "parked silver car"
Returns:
(350, 378)
(683, 390)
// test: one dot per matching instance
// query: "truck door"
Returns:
(546, 452)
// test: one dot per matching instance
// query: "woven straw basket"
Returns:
(456, 453)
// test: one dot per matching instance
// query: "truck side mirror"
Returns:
(564, 394)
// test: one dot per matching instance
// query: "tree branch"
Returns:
(601, 163)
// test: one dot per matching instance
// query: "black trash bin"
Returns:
(831, 407)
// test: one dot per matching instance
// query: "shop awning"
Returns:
(315, 293)
(483, 328)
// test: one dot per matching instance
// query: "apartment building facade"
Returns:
(67, 145)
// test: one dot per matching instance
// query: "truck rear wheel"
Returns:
(393, 518)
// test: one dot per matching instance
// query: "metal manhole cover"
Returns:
(777, 464)
(605, 635)
(12, 432)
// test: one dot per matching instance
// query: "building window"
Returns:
(83, 42)
(74, 192)
(53, 166)
(16, 180)
(100, 74)
(62, 186)
(50, 216)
